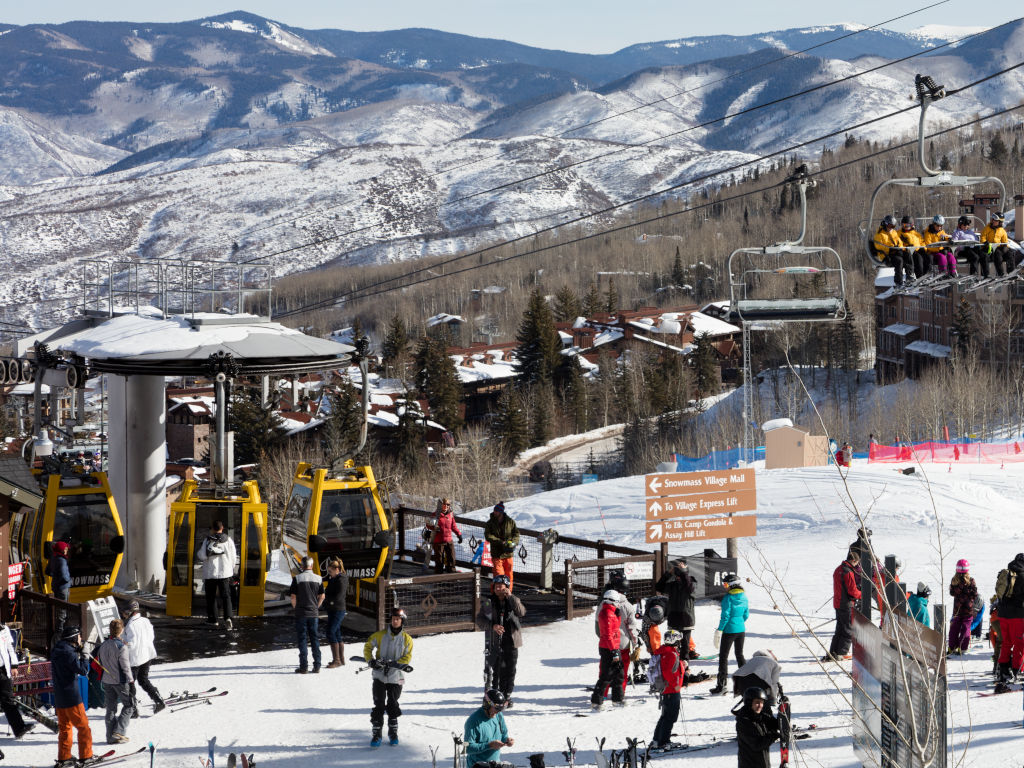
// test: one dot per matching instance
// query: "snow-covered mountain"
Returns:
(196, 139)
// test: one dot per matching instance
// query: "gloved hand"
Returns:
(376, 664)
(718, 638)
(616, 662)
(460, 538)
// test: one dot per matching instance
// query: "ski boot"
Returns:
(393, 734)
(375, 740)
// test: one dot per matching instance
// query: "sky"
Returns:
(585, 26)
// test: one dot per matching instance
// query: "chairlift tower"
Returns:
(783, 283)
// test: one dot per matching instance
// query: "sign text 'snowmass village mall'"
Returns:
(689, 506)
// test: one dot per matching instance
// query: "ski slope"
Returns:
(805, 522)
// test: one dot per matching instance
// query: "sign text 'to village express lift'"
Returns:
(695, 506)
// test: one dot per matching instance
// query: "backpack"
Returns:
(1005, 583)
(654, 676)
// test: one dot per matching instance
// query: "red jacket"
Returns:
(844, 585)
(673, 668)
(444, 524)
(608, 624)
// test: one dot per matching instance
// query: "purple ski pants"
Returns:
(960, 632)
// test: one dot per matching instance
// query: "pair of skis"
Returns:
(112, 758)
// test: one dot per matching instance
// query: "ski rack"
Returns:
(927, 93)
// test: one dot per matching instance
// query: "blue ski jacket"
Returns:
(66, 664)
(919, 609)
(480, 731)
(734, 611)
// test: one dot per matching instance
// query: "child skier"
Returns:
(393, 647)
(756, 729)
(918, 604)
(670, 663)
(964, 591)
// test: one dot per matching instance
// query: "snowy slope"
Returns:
(33, 151)
(805, 525)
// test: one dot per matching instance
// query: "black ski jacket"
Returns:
(679, 587)
(755, 733)
(1012, 606)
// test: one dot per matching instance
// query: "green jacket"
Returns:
(502, 537)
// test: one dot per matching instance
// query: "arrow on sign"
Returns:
(656, 508)
(654, 531)
(655, 484)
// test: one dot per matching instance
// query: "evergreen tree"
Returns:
(438, 382)
(567, 305)
(611, 298)
(634, 445)
(963, 325)
(945, 164)
(997, 150)
(395, 349)
(539, 350)
(344, 423)
(540, 414)
(591, 302)
(510, 427)
(407, 442)
(574, 395)
(678, 270)
(705, 367)
(257, 428)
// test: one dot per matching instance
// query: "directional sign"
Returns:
(695, 529)
(687, 483)
(660, 508)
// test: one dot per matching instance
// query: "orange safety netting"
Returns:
(977, 453)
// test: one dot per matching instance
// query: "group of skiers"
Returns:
(966, 615)
(915, 254)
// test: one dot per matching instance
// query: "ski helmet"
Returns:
(617, 580)
(400, 613)
(939, 219)
(656, 613)
(997, 216)
(501, 579)
(495, 698)
(752, 693)
(963, 221)
(923, 590)
(729, 578)
(888, 221)
(962, 566)
(672, 637)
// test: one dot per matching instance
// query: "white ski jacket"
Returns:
(217, 564)
(138, 636)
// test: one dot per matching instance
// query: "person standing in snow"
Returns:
(1010, 591)
(388, 652)
(112, 655)
(669, 657)
(306, 593)
(756, 729)
(500, 615)
(9, 657)
(444, 528)
(67, 662)
(502, 535)
(615, 624)
(918, 604)
(845, 594)
(217, 554)
(964, 591)
(485, 732)
(679, 586)
(139, 637)
(335, 596)
(732, 629)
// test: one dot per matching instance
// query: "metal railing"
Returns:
(447, 602)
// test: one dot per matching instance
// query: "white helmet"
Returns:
(939, 219)
(672, 637)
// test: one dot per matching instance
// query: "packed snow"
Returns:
(805, 523)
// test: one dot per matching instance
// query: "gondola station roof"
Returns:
(183, 345)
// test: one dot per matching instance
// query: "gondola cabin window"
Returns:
(296, 517)
(346, 521)
(85, 523)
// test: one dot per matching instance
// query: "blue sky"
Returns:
(587, 26)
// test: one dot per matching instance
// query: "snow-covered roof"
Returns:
(499, 368)
(443, 318)
(607, 336)
(929, 348)
(899, 329)
(711, 325)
